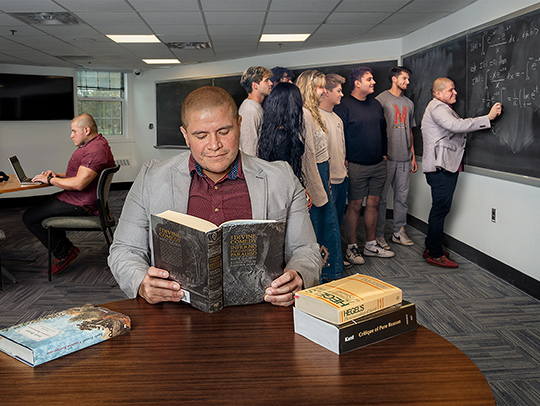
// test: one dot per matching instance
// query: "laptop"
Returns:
(19, 172)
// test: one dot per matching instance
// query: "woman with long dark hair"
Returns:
(282, 130)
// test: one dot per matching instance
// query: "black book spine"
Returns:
(387, 325)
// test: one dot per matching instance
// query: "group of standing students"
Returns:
(293, 130)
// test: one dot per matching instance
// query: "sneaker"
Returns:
(442, 262)
(353, 256)
(346, 264)
(377, 251)
(402, 238)
(382, 242)
(60, 264)
(426, 253)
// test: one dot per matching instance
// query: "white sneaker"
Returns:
(353, 256)
(377, 251)
(382, 242)
(401, 237)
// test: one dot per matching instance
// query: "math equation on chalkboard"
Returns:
(503, 64)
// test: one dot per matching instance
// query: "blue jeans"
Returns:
(325, 224)
(443, 184)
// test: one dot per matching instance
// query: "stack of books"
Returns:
(352, 312)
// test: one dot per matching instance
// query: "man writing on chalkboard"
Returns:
(216, 182)
(445, 134)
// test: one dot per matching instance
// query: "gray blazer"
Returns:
(164, 185)
(445, 135)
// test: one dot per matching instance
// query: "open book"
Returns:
(216, 266)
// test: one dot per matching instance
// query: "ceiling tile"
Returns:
(164, 5)
(234, 17)
(234, 5)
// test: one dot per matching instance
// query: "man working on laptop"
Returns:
(79, 182)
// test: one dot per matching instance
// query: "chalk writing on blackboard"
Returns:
(503, 66)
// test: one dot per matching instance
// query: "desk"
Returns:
(13, 185)
(244, 355)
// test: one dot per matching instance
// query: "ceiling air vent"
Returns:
(188, 45)
(44, 18)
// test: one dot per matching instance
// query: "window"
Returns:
(101, 94)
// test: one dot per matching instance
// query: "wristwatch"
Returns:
(49, 179)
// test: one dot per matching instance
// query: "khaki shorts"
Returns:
(366, 180)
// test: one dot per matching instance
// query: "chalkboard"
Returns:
(444, 60)
(170, 95)
(503, 65)
(500, 63)
(169, 98)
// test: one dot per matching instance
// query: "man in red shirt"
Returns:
(79, 182)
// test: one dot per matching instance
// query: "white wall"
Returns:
(515, 237)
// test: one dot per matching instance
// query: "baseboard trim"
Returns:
(511, 275)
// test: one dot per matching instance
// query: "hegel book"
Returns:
(347, 298)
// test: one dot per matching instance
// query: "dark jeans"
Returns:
(325, 224)
(51, 207)
(443, 184)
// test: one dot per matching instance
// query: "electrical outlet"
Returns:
(493, 215)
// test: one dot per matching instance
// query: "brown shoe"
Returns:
(442, 262)
(426, 253)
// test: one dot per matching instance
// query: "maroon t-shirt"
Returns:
(95, 154)
(227, 199)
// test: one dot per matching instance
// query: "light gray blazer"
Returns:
(164, 185)
(445, 135)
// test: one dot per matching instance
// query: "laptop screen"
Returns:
(17, 168)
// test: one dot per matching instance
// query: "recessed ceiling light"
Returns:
(284, 37)
(161, 61)
(132, 39)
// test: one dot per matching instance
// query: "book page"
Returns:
(187, 220)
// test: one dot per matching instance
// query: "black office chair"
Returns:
(102, 222)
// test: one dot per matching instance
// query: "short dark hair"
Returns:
(207, 97)
(254, 74)
(279, 72)
(396, 71)
(357, 74)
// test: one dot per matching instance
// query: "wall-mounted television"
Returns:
(36, 97)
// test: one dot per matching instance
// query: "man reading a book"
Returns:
(217, 182)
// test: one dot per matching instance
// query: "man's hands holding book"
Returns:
(281, 292)
(156, 288)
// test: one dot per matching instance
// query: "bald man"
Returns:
(79, 182)
(216, 182)
(445, 135)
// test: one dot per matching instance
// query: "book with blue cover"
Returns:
(53, 336)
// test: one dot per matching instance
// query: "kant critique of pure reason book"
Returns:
(37, 341)
(347, 298)
(216, 266)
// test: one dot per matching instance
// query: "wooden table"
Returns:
(246, 355)
(13, 185)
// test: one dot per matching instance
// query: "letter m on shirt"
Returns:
(400, 118)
